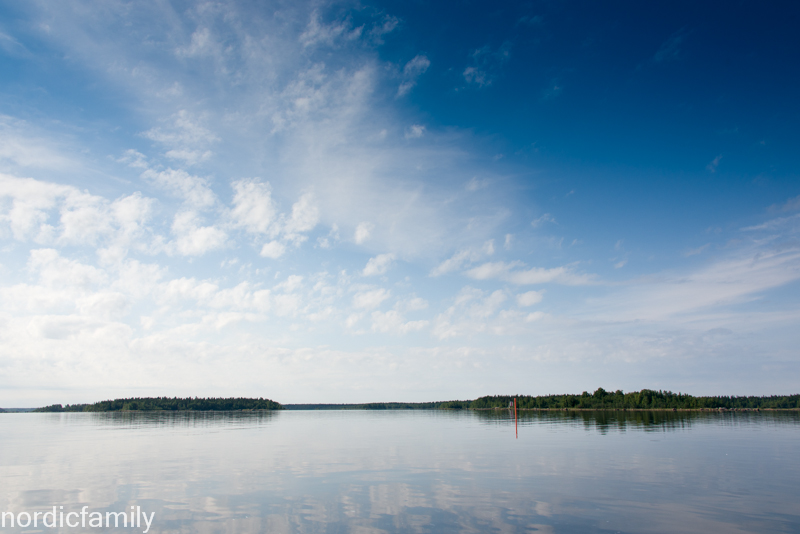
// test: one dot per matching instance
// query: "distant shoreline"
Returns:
(600, 400)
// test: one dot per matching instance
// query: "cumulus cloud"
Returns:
(319, 33)
(363, 232)
(273, 249)
(57, 272)
(194, 190)
(392, 322)
(185, 138)
(370, 299)
(253, 208)
(378, 265)
(470, 313)
(529, 299)
(304, 218)
(53, 213)
(193, 239)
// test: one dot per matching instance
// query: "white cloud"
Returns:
(383, 27)
(288, 304)
(305, 216)
(486, 64)
(474, 184)
(185, 138)
(470, 313)
(735, 279)
(194, 190)
(353, 319)
(536, 223)
(415, 131)
(712, 167)
(133, 158)
(21, 145)
(463, 257)
(253, 208)
(58, 272)
(378, 265)
(411, 72)
(52, 213)
(317, 32)
(30, 200)
(414, 304)
(506, 272)
(202, 43)
(192, 239)
(370, 299)
(84, 217)
(392, 322)
(697, 250)
(791, 204)
(291, 284)
(273, 249)
(363, 232)
(332, 237)
(529, 299)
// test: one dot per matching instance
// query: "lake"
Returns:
(408, 471)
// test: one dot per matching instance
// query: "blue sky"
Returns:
(398, 201)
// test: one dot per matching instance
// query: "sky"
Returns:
(343, 201)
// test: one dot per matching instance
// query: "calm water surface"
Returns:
(415, 471)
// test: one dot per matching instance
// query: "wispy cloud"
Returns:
(712, 167)
(697, 250)
(541, 220)
(486, 64)
(670, 50)
(792, 204)
(463, 257)
(515, 273)
(411, 72)
(378, 265)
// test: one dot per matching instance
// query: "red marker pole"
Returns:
(516, 431)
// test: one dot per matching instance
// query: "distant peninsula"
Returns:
(601, 399)
(168, 404)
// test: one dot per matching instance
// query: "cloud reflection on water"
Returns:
(358, 471)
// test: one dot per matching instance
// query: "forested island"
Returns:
(601, 399)
(166, 404)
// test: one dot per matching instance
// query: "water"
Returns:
(409, 471)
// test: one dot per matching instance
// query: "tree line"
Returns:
(645, 399)
(174, 404)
